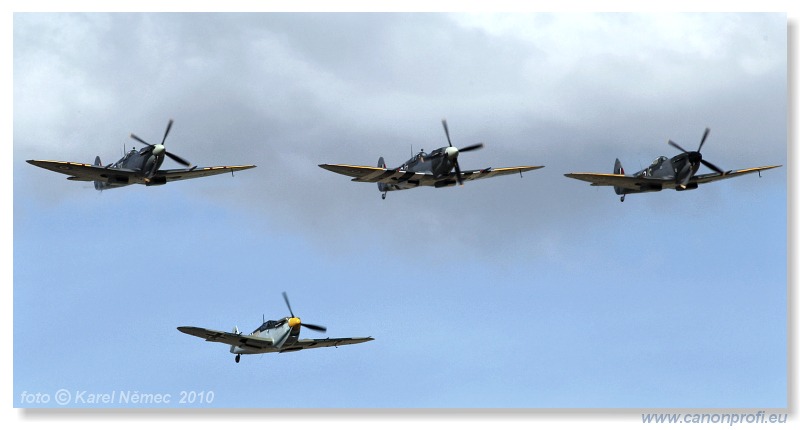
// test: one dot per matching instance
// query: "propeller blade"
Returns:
(458, 173)
(684, 175)
(308, 326)
(283, 338)
(677, 146)
(471, 147)
(169, 126)
(150, 146)
(136, 138)
(446, 132)
(314, 327)
(703, 140)
(712, 167)
(150, 172)
(286, 299)
(177, 159)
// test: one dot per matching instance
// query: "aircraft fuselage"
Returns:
(678, 169)
(144, 161)
(283, 333)
(439, 163)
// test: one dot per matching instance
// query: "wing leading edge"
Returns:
(711, 177)
(322, 343)
(199, 172)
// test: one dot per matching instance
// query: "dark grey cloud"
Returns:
(290, 91)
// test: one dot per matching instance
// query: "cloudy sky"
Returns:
(532, 292)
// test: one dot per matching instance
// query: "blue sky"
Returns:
(534, 292)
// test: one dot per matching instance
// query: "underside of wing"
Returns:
(616, 180)
(471, 175)
(354, 171)
(711, 177)
(403, 177)
(198, 172)
(380, 174)
(320, 343)
(232, 339)
(115, 175)
(83, 171)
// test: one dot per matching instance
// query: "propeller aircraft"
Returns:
(282, 335)
(135, 167)
(438, 169)
(678, 172)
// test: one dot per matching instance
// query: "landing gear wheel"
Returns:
(383, 196)
(622, 199)
(238, 357)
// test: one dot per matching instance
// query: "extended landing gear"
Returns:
(238, 357)
(383, 196)
(622, 199)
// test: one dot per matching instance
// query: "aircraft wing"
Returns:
(232, 339)
(396, 176)
(198, 172)
(616, 180)
(81, 171)
(357, 171)
(319, 343)
(471, 175)
(640, 183)
(90, 172)
(376, 174)
(711, 177)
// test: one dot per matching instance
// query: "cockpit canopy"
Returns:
(267, 325)
(658, 161)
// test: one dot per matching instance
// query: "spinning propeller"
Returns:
(294, 321)
(160, 149)
(452, 152)
(695, 157)
(297, 320)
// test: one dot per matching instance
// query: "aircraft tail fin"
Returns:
(97, 184)
(382, 187)
(618, 170)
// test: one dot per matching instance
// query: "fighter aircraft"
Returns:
(434, 169)
(282, 335)
(677, 172)
(135, 167)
